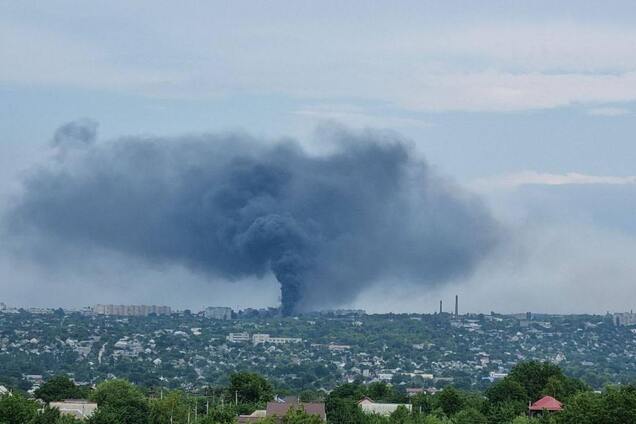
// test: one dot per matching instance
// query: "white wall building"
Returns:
(266, 338)
(370, 407)
(625, 318)
(238, 337)
(76, 408)
(131, 310)
(218, 312)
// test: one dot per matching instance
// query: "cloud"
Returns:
(485, 65)
(608, 111)
(501, 92)
(43, 56)
(357, 117)
(511, 181)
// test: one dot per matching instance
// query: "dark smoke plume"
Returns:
(326, 226)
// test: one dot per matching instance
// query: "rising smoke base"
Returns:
(326, 226)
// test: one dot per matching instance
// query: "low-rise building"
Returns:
(238, 337)
(77, 408)
(279, 408)
(625, 318)
(370, 407)
(266, 338)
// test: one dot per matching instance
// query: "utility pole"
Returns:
(235, 397)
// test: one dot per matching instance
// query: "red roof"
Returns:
(312, 408)
(547, 403)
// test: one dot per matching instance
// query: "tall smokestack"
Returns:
(456, 305)
(440, 306)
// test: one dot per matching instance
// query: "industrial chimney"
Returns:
(456, 305)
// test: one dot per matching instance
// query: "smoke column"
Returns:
(231, 206)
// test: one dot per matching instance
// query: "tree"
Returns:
(47, 415)
(422, 403)
(505, 412)
(380, 391)
(616, 405)
(522, 419)
(506, 390)
(562, 387)
(449, 401)
(470, 416)
(344, 411)
(583, 408)
(249, 388)
(16, 409)
(400, 416)
(221, 416)
(619, 405)
(119, 402)
(59, 388)
(534, 377)
(299, 416)
(171, 408)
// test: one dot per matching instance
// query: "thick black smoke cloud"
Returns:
(326, 225)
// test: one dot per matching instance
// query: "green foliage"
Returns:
(504, 412)
(616, 405)
(171, 408)
(562, 387)
(380, 391)
(50, 415)
(251, 388)
(422, 403)
(119, 402)
(298, 416)
(311, 396)
(222, 415)
(343, 411)
(59, 388)
(506, 390)
(400, 416)
(431, 419)
(522, 419)
(505, 402)
(449, 401)
(67, 419)
(470, 416)
(15, 409)
(534, 376)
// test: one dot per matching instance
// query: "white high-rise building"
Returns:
(131, 310)
(218, 312)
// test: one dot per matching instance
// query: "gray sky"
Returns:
(529, 104)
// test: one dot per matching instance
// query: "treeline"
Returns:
(505, 402)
